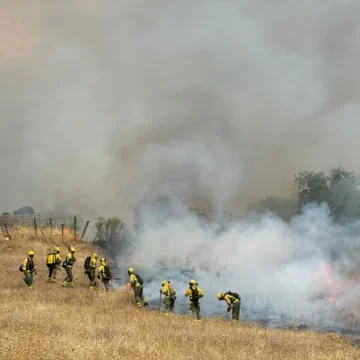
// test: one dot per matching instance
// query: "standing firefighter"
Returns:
(52, 262)
(28, 268)
(90, 269)
(68, 265)
(104, 273)
(195, 294)
(137, 285)
(233, 301)
(169, 292)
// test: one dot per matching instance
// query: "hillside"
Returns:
(50, 322)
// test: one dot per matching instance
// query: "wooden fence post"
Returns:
(85, 228)
(35, 227)
(75, 228)
(7, 231)
(62, 230)
(96, 236)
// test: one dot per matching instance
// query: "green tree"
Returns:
(311, 187)
(340, 189)
(25, 210)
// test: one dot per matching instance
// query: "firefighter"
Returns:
(104, 273)
(29, 269)
(168, 290)
(70, 261)
(233, 301)
(137, 287)
(91, 271)
(195, 294)
(53, 261)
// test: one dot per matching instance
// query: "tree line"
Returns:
(339, 188)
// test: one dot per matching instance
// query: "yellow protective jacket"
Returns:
(93, 263)
(133, 280)
(230, 299)
(101, 271)
(166, 290)
(192, 293)
(58, 259)
(27, 262)
(70, 260)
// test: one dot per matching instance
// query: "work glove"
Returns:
(228, 309)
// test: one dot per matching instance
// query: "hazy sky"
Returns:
(220, 100)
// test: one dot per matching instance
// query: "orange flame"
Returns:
(335, 287)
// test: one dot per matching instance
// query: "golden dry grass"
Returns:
(50, 322)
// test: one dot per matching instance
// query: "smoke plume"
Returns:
(219, 102)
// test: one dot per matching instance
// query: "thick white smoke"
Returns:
(269, 262)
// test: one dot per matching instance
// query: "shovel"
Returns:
(160, 303)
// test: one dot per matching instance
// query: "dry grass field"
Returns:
(49, 322)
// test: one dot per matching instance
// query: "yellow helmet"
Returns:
(30, 253)
(57, 249)
(131, 270)
(164, 282)
(72, 249)
(102, 259)
(95, 256)
(220, 296)
(193, 282)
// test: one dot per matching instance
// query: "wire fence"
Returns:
(40, 224)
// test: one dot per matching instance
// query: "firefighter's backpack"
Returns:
(194, 295)
(87, 263)
(172, 290)
(139, 279)
(234, 294)
(107, 272)
(51, 260)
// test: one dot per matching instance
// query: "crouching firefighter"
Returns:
(52, 262)
(90, 269)
(104, 273)
(169, 292)
(233, 301)
(28, 268)
(68, 265)
(195, 294)
(136, 283)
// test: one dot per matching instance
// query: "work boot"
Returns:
(71, 284)
(91, 288)
(53, 280)
(49, 279)
(64, 284)
(146, 303)
(166, 313)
